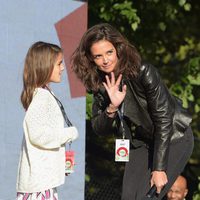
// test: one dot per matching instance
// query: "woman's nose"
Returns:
(105, 60)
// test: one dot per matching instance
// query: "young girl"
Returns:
(130, 94)
(42, 159)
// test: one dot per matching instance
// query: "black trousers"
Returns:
(137, 175)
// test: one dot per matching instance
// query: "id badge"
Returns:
(122, 150)
(69, 162)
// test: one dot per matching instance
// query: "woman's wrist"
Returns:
(111, 109)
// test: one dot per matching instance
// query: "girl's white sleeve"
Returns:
(41, 123)
(71, 134)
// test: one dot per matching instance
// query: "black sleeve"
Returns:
(161, 110)
(101, 123)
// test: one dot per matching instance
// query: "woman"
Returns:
(130, 94)
(42, 159)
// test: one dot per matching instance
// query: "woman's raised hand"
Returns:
(112, 87)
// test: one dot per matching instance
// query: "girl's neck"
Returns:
(46, 87)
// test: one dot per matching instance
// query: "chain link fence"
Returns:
(102, 189)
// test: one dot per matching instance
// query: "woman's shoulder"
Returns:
(148, 69)
(145, 67)
(148, 74)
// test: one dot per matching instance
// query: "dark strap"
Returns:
(151, 193)
(61, 108)
(120, 113)
(125, 130)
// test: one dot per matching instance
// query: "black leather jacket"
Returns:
(152, 114)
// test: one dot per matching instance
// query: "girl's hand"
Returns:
(159, 179)
(113, 89)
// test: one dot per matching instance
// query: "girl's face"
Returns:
(57, 69)
(104, 55)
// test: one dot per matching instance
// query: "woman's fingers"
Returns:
(119, 80)
(124, 89)
(105, 85)
(112, 79)
(159, 179)
(115, 94)
(159, 189)
(108, 81)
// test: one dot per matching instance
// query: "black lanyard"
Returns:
(61, 108)
(120, 113)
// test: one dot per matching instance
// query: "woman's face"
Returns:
(104, 55)
(57, 69)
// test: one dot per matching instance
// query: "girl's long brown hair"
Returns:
(38, 67)
(82, 62)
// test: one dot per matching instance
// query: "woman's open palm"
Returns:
(112, 87)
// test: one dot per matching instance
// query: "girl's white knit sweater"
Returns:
(42, 158)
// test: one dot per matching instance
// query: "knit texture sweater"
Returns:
(42, 157)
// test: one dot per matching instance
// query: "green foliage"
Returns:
(167, 35)
(115, 12)
(127, 11)
(196, 195)
(88, 106)
(184, 89)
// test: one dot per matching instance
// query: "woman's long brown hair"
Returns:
(38, 67)
(82, 62)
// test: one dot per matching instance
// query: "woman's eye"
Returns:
(97, 57)
(110, 52)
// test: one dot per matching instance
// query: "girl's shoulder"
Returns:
(42, 99)
(40, 91)
(41, 94)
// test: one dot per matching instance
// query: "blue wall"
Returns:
(23, 22)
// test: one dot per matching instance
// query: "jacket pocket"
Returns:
(181, 121)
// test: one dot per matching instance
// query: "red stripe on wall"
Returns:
(70, 30)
